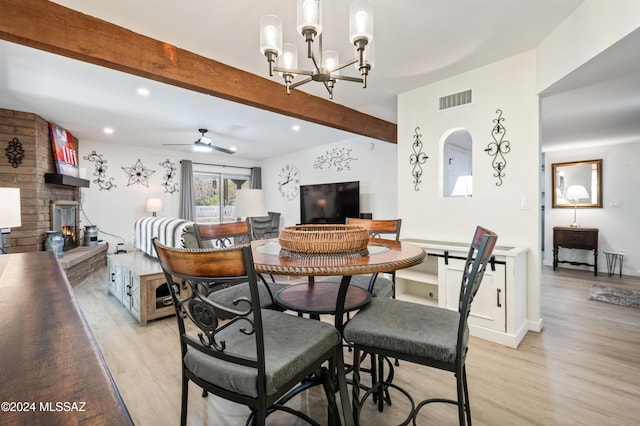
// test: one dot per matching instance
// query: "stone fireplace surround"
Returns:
(35, 194)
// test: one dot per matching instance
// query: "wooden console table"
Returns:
(575, 238)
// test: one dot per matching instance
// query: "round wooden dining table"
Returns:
(384, 256)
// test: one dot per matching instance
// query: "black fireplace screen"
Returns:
(65, 218)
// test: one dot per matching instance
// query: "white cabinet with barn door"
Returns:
(488, 308)
(499, 310)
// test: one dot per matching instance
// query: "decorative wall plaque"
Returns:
(100, 171)
(417, 159)
(167, 181)
(498, 147)
(340, 158)
(138, 173)
(15, 152)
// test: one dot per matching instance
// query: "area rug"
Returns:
(616, 296)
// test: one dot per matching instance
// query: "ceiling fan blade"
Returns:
(217, 148)
(221, 149)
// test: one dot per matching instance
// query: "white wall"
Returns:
(115, 211)
(374, 165)
(593, 27)
(617, 220)
(512, 209)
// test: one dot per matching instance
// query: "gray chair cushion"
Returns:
(226, 296)
(406, 328)
(292, 345)
(383, 287)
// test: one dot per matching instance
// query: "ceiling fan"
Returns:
(205, 142)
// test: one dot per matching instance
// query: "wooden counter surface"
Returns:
(51, 369)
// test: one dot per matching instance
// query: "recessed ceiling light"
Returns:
(295, 128)
(143, 91)
(108, 130)
(232, 148)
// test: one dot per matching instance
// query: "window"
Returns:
(215, 195)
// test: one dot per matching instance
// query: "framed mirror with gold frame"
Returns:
(577, 183)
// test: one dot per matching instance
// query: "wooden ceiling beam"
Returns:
(47, 26)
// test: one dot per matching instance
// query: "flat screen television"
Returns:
(329, 202)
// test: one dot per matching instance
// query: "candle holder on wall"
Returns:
(417, 159)
(498, 147)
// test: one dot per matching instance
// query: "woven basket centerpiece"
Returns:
(327, 240)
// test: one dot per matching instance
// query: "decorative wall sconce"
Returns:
(15, 152)
(498, 147)
(417, 159)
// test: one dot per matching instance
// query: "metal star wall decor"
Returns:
(167, 181)
(498, 147)
(15, 152)
(417, 159)
(100, 171)
(340, 158)
(138, 174)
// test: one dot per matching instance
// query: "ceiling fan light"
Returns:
(205, 140)
(201, 148)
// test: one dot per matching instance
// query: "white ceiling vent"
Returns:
(455, 100)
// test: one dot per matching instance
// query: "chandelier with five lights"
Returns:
(326, 65)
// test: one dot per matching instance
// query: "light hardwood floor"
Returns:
(582, 369)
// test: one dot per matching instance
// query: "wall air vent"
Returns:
(455, 100)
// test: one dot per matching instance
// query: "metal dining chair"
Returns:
(221, 235)
(254, 359)
(427, 335)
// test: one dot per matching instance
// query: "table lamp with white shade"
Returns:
(575, 193)
(463, 187)
(10, 214)
(154, 205)
(250, 203)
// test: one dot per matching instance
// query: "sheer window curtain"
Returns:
(187, 199)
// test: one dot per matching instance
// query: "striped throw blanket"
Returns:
(168, 230)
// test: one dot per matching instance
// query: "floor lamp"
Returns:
(10, 214)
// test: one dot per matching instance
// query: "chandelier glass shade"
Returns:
(326, 64)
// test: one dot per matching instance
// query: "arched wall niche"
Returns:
(457, 173)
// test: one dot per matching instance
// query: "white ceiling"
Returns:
(417, 42)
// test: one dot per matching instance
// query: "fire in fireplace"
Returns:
(65, 217)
